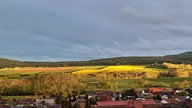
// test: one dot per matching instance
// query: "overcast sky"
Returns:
(62, 30)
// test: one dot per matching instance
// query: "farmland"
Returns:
(27, 71)
(91, 78)
(122, 68)
(129, 83)
(31, 70)
(21, 71)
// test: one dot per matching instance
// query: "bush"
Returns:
(143, 82)
(167, 74)
(175, 85)
(185, 84)
(183, 93)
(182, 73)
(162, 84)
(149, 85)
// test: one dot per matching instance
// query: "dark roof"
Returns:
(26, 101)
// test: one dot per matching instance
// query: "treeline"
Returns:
(186, 56)
(135, 60)
(109, 61)
(177, 70)
(52, 85)
(11, 63)
(46, 84)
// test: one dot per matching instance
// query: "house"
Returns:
(190, 104)
(112, 104)
(189, 101)
(46, 102)
(26, 101)
(118, 95)
(50, 101)
(105, 97)
(145, 103)
(101, 96)
(154, 90)
(131, 103)
(105, 93)
(3, 103)
(90, 94)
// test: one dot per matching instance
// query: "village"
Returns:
(131, 98)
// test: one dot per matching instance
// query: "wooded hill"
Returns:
(185, 57)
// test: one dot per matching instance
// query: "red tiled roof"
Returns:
(155, 89)
(3, 101)
(151, 101)
(112, 103)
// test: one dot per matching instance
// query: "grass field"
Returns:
(129, 83)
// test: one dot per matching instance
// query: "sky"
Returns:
(73, 30)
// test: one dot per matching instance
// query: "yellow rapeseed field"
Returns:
(121, 68)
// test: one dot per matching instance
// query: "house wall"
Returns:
(156, 106)
(138, 105)
(190, 104)
(131, 103)
(94, 106)
(82, 105)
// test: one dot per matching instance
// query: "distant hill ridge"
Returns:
(185, 57)
(182, 56)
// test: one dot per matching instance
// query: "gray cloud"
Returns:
(56, 30)
(134, 15)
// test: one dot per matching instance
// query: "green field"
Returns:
(129, 83)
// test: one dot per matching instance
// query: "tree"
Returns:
(185, 84)
(175, 85)
(182, 73)
(57, 84)
(143, 82)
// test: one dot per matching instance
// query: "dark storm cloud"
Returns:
(53, 30)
